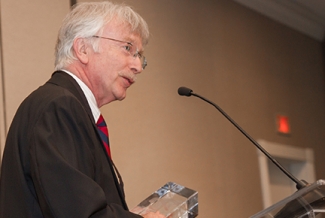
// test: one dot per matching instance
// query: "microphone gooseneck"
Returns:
(183, 91)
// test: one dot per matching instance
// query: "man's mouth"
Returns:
(131, 78)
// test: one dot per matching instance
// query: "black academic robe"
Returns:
(54, 163)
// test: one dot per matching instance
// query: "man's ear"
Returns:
(81, 51)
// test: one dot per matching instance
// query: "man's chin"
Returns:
(120, 93)
(121, 97)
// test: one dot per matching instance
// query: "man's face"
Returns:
(112, 69)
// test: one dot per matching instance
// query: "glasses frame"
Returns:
(142, 58)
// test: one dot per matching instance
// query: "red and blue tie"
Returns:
(103, 132)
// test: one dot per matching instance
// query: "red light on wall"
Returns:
(283, 124)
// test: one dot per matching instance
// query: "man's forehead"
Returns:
(122, 30)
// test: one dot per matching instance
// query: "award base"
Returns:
(171, 200)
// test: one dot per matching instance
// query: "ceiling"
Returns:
(305, 16)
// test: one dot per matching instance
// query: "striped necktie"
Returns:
(103, 132)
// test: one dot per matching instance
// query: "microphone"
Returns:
(183, 91)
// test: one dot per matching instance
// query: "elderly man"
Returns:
(57, 160)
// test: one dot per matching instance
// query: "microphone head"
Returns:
(183, 91)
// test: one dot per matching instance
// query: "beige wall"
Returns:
(2, 111)
(251, 66)
(29, 34)
(29, 30)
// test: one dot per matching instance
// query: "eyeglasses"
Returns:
(132, 50)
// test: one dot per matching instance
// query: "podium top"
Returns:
(310, 199)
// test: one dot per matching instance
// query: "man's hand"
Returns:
(154, 215)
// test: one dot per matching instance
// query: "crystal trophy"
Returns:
(171, 200)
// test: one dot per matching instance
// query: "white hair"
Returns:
(86, 20)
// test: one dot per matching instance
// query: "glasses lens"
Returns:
(144, 62)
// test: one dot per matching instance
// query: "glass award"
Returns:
(171, 200)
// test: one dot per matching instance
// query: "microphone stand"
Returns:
(292, 208)
(299, 184)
